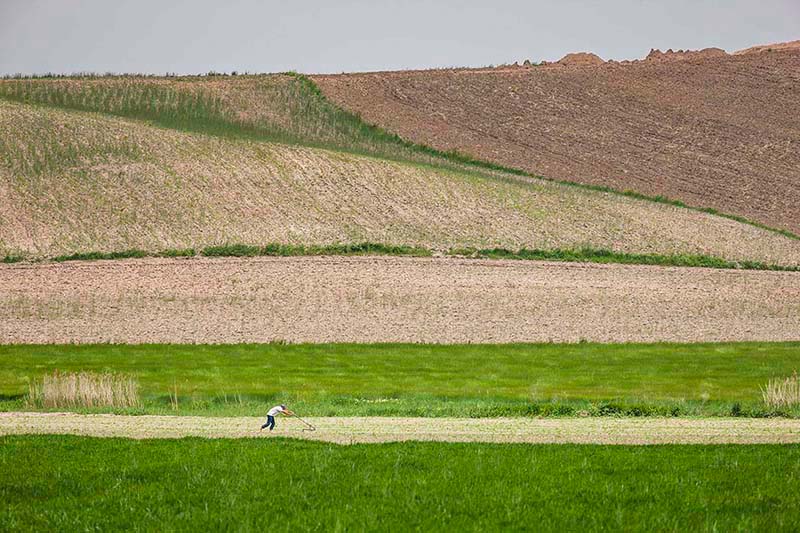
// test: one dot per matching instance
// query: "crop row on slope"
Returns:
(286, 107)
(129, 185)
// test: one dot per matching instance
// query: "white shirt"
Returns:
(275, 410)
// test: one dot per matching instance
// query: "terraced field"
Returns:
(204, 166)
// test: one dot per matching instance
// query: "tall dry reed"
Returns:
(783, 392)
(85, 389)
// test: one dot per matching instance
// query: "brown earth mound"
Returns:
(719, 132)
(774, 47)
(580, 59)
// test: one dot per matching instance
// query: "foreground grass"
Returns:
(426, 380)
(77, 483)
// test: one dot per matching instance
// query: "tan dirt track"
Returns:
(717, 131)
(378, 429)
(390, 299)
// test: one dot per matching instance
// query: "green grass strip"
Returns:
(582, 255)
(69, 483)
(95, 256)
(599, 255)
(286, 250)
(661, 379)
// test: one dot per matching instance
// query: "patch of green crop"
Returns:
(177, 252)
(68, 483)
(94, 256)
(597, 255)
(286, 250)
(713, 379)
(581, 255)
(58, 147)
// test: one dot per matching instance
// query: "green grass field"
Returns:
(426, 380)
(75, 483)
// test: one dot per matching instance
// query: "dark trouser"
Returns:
(270, 422)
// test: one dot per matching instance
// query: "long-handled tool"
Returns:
(308, 427)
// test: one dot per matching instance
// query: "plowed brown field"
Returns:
(365, 430)
(385, 299)
(713, 131)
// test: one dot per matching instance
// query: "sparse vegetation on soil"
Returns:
(619, 431)
(286, 108)
(390, 299)
(68, 483)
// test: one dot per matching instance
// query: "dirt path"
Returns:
(378, 429)
(390, 299)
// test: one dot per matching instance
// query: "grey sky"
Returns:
(157, 36)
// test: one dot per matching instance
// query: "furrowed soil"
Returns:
(709, 129)
(74, 181)
(622, 431)
(390, 299)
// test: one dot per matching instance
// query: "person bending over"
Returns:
(270, 423)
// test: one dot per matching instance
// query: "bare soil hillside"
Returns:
(710, 129)
(382, 299)
(73, 181)
(774, 47)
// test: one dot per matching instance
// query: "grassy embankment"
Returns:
(426, 380)
(77, 483)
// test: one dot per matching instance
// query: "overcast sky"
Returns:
(158, 36)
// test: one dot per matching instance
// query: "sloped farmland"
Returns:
(716, 132)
